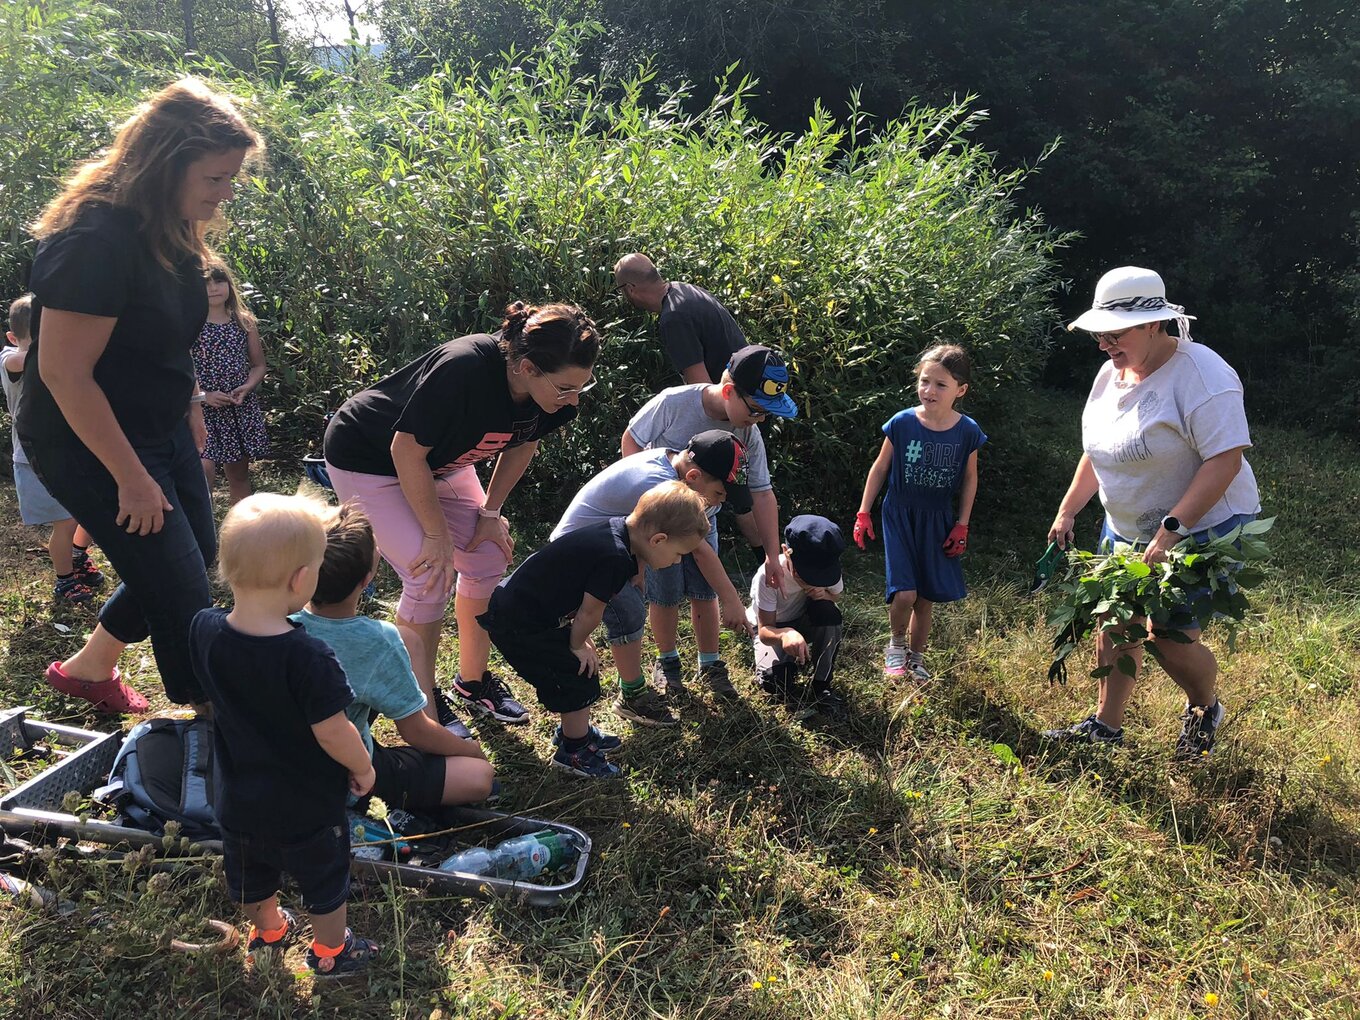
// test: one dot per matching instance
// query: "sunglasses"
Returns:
(1112, 338)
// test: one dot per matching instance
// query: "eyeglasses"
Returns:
(754, 410)
(1112, 338)
(565, 393)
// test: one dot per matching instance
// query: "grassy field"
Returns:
(927, 859)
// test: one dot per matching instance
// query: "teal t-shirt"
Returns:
(375, 661)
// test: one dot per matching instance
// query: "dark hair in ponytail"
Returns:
(552, 337)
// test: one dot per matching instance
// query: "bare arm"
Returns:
(339, 739)
(789, 639)
(878, 474)
(417, 483)
(255, 351)
(424, 734)
(72, 343)
(730, 608)
(1211, 481)
(628, 445)
(696, 373)
(585, 621)
(968, 490)
(1079, 493)
(509, 469)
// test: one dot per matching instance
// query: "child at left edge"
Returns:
(68, 546)
(542, 616)
(285, 755)
(928, 456)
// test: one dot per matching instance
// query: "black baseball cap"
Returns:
(761, 375)
(815, 545)
(721, 455)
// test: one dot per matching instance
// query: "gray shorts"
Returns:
(36, 505)
(666, 587)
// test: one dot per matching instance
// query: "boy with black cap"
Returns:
(753, 386)
(798, 621)
(709, 465)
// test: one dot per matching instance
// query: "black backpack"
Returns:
(164, 773)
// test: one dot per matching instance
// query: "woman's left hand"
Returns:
(496, 530)
(1162, 543)
(239, 394)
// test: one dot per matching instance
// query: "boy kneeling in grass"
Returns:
(438, 767)
(285, 755)
(799, 622)
(542, 616)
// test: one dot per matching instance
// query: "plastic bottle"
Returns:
(26, 892)
(520, 858)
(367, 835)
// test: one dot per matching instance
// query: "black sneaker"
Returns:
(356, 955)
(490, 696)
(258, 941)
(715, 675)
(780, 683)
(448, 719)
(666, 675)
(644, 708)
(1199, 730)
(84, 571)
(71, 589)
(585, 761)
(1089, 731)
(829, 703)
(602, 742)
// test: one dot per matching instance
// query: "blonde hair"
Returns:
(266, 537)
(673, 509)
(143, 170)
(216, 269)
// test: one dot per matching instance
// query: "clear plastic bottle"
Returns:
(520, 858)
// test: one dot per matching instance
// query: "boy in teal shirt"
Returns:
(438, 767)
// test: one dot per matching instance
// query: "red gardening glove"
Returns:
(864, 525)
(957, 541)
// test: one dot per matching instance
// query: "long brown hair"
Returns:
(143, 170)
(216, 269)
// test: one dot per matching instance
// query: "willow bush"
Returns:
(390, 218)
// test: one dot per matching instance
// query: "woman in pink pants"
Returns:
(406, 450)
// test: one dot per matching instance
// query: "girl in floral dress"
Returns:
(229, 362)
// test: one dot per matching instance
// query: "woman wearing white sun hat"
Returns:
(1163, 433)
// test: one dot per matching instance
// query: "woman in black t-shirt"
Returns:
(406, 450)
(108, 418)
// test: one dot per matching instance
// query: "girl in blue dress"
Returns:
(929, 455)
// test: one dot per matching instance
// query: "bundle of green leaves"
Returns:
(1118, 593)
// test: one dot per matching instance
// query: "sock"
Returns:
(330, 951)
(78, 554)
(272, 934)
(895, 641)
(629, 688)
(671, 658)
(706, 657)
(66, 577)
(570, 744)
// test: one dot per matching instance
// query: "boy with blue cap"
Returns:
(753, 386)
(798, 622)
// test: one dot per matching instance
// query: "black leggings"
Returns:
(165, 576)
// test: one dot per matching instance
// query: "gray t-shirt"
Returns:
(615, 491)
(696, 328)
(12, 387)
(675, 416)
(1147, 441)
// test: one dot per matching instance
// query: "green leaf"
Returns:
(1005, 754)
(1126, 665)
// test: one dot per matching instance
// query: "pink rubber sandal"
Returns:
(111, 695)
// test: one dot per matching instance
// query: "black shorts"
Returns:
(318, 862)
(408, 778)
(544, 658)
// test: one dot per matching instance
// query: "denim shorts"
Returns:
(625, 615)
(1181, 618)
(318, 862)
(666, 587)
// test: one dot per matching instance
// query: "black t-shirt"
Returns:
(102, 265)
(696, 327)
(266, 692)
(454, 399)
(594, 560)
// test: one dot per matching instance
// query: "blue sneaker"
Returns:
(602, 742)
(356, 955)
(1089, 731)
(585, 761)
(490, 696)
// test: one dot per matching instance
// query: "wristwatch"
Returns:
(1174, 525)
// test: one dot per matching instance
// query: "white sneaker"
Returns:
(916, 665)
(894, 661)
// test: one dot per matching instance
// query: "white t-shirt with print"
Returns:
(787, 602)
(1146, 442)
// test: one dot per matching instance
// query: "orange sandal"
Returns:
(111, 695)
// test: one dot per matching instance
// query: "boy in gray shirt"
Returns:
(753, 386)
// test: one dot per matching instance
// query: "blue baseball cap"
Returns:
(761, 375)
(815, 545)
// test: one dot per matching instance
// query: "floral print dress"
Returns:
(222, 362)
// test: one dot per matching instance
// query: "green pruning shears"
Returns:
(1049, 564)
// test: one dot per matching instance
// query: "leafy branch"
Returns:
(1119, 594)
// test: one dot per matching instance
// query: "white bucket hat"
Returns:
(1130, 296)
